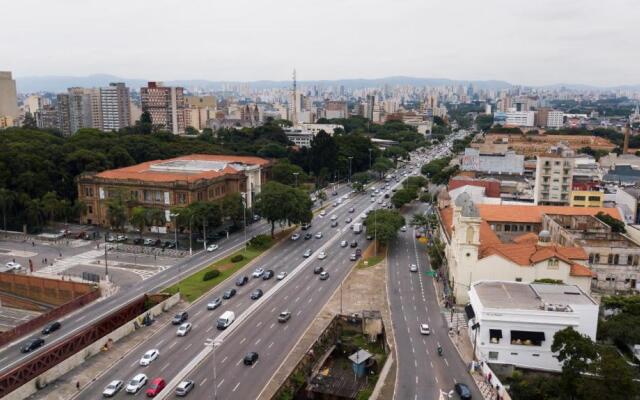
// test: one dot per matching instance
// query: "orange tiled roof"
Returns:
(526, 238)
(580, 270)
(528, 254)
(143, 171)
(533, 214)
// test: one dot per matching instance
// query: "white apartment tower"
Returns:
(8, 96)
(115, 108)
(554, 176)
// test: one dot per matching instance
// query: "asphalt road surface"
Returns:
(302, 293)
(422, 374)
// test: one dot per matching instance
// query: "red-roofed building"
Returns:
(176, 182)
(491, 186)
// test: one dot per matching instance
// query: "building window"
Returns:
(514, 354)
(133, 195)
(181, 198)
(616, 259)
(507, 228)
(528, 228)
(518, 279)
(594, 198)
(579, 198)
(495, 335)
(596, 259)
(158, 197)
(536, 355)
(591, 258)
(493, 355)
(610, 259)
(527, 338)
(148, 197)
(552, 263)
(90, 210)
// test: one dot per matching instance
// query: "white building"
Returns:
(520, 118)
(8, 96)
(302, 135)
(519, 331)
(555, 119)
(554, 176)
(115, 107)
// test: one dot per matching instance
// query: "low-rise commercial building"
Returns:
(497, 163)
(515, 322)
(167, 184)
(586, 198)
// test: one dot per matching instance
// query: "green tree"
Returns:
(116, 213)
(420, 220)
(614, 378)
(323, 153)
(382, 165)
(615, 224)
(156, 218)
(190, 130)
(576, 352)
(283, 204)
(139, 218)
(51, 205)
(29, 121)
(403, 196)
(384, 224)
(284, 171)
(322, 196)
(7, 201)
(484, 122)
(233, 208)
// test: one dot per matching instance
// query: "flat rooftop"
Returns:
(524, 296)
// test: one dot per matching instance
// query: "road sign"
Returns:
(431, 273)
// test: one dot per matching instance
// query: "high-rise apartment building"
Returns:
(554, 176)
(114, 106)
(166, 105)
(335, 109)
(47, 117)
(8, 96)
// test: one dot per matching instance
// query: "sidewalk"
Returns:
(463, 344)
(361, 290)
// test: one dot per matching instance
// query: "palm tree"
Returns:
(116, 213)
(7, 200)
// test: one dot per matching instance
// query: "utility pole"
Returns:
(350, 158)
(106, 267)
(244, 217)
(370, 158)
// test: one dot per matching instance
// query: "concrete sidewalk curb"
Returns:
(381, 379)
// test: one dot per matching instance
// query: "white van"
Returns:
(334, 217)
(226, 319)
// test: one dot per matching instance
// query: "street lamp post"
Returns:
(244, 217)
(214, 344)
(350, 158)
(191, 233)
(370, 158)
(175, 230)
(296, 175)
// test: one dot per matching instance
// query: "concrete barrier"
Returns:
(96, 347)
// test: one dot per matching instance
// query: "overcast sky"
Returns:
(532, 42)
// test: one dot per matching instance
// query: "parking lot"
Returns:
(12, 317)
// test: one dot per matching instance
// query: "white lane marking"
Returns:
(238, 363)
(298, 313)
(296, 300)
(220, 383)
(258, 324)
(272, 325)
(446, 362)
(189, 345)
(164, 367)
(196, 314)
(260, 340)
(209, 328)
(243, 340)
(271, 344)
(254, 364)
(134, 364)
(273, 309)
(416, 379)
(431, 363)
(320, 288)
(172, 344)
(415, 362)
(310, 300)
(203, 382)
(236, 387)
(157, 345)
(224, 359)
(286, 297)
(436, 379)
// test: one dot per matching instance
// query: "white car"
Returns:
(295, 236)
(322, 255)
(424, 329)
(404, 228)
(281, 275)
(413, 268)
(323, 213)
(344, 243)
(13, 266)
(148, 357)
(136, 383)
(112, 388)
(258, 272)
(184, 329)
(149, 242)
(319, 235)
(212, 247)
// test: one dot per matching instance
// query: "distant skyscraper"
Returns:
(8, 96)
(166, 106)
(115, 108)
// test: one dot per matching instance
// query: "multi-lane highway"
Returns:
(422, 374)
(10, 355)
(302, 293)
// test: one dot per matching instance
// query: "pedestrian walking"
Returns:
(78, 385)
(33, 244)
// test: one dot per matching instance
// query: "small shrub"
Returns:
(237, 258)
(260, 241)
(211, 274)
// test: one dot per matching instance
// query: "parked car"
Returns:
(112, 388)
(404, 228)
(241, 280)
(32, 344)
(358, 252)
(348, 220)
(180, 318)
(138, 241)
(184, 388)
(281, 275)
(149, 357)
(284, 316)
(184, 329)
(229, 293)
(215, 303)
(13, 266)
(136, 383)
(351, 209)
(149, 242)
(51, 327)
(256, 294)
(353, 257)
(250, 358)
(324, 275)
(463, 391)
(212, 247)
(268, 274)
(334, 224)
(155, 387)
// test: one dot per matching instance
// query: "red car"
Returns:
(156, 387)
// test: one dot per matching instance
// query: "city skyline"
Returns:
(531, 44)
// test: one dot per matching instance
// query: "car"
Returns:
(352, 210)
(256, 294)
(251, 358)
(373, 199)
(212, 247)
(241, 280)
(413, 268)
(184, 388)
(268, 274)
(379, 201)
(348, 220)
(149, 357)
(334, 193)
(112, 388)
(354, 244)
(32, 344)
(334, 224)
(184, 329)
(295, 236)
(136, 383)
(229, 293)
(121, 238)
(306, 226)
(148, 242)
(215, 303)
(51, 327)
(369, 237)
(424, 329)
(353, 257)
(13, 266)
(335, 204)
(318, 269)
(319, 235)
(404, 228)
(307, 236)
(281, 275)
(110, 238)
(358, 252)
(257, 273)
(155, 387)
(463, 391)
(324, 275)
(138, 241)
(323, 213)
(307, 253)
(180, 318)
(344, 243)
(284, 316)
(322, 255)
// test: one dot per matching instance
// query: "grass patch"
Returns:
(193, 286)
(371, 261)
